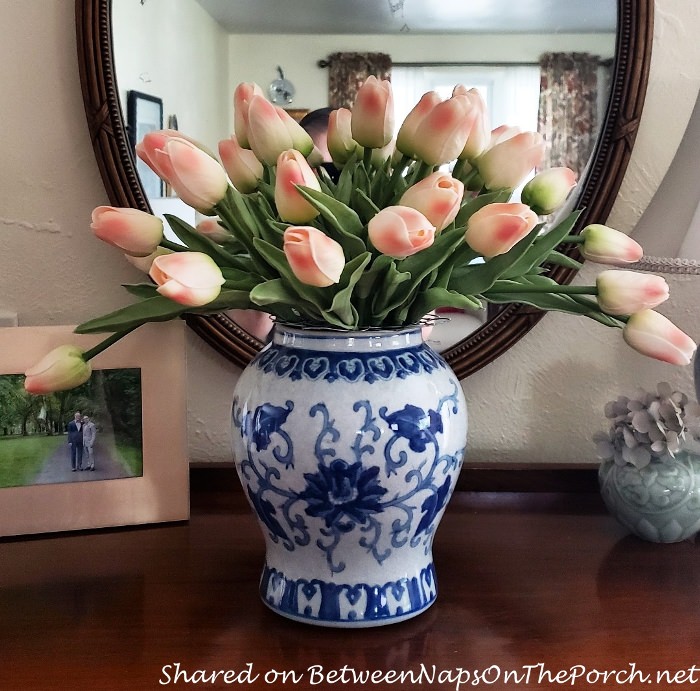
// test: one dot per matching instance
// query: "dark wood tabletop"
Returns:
(531, 586)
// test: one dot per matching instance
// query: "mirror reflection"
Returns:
(545, 69)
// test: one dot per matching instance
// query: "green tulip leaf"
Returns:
(153, 309)
(141, 290)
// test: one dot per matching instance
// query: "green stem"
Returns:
(574, 239)
(559, 290)
(367, 158)
(103, 345)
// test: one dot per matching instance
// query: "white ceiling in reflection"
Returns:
(415, 16)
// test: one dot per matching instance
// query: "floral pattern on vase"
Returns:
(348, 446)
(659, 502)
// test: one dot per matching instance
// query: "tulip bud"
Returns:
(267, 133)
(625, 292)
(496, 228)
(372, 120)
(479, 136)
(437, 197)
(293, 170)
(315, 259)
(189, 278)
(609, 246)
(153, 141)
(507, 164)
(407, 132)
(242, 96)
(135, 232)
(197, 178)
(341, 145)
(301, 139)
(400, 231)
(241, 164)
(652, 334)
(442, 134)
(63, 368)
(548, 190)
(212, 229)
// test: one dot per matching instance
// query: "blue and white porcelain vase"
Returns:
(659, 502)
(348, 446)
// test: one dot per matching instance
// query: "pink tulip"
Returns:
(315, 259)
(242, 97)
(625, 292)
(479, 136)
(609, 246)
(135, 232)
(153, 141)
(212, 229)
(443, 133)
(372, 121)
(407, 132)
(267, 133)
(189, 278)
(301, 139)
(61, 369)
(146, 151)
(652, 334)
(293, 170)
(241, 164)
(508, 163)
(400, 231)
(496, 228)
(548, 190)
(437, 197)
(197, 178)
(341, 145)
(502, 133)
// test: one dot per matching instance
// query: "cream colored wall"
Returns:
(252, 60)
(190, 73)
(538, 403)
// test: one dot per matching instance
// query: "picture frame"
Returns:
(144, 114)
(86, 500)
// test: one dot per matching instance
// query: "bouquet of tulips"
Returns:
(396, 237)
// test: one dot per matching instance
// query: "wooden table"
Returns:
(529, 583)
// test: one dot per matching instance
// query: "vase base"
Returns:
(343, 605)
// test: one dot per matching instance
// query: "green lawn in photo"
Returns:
(132, 458)
(21, 458)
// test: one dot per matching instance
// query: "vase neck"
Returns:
(358, 341)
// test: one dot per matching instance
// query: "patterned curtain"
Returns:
(347, 71)
(568, 117)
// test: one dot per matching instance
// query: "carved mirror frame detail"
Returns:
(599, 188)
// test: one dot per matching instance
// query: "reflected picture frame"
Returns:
(161, 492)
(144, 114)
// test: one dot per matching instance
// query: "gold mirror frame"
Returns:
(598, 190)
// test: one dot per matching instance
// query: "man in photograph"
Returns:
(89, 434)
(75, 441)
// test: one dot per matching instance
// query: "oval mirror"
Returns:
(596, 191)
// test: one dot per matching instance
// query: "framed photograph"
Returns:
(144, 114)
(297, 113)
(111, 452)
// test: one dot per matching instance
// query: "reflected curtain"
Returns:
(347, 71)
(568, 113)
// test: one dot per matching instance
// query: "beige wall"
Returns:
(540, 402)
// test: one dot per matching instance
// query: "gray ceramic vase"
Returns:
(658, 503)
